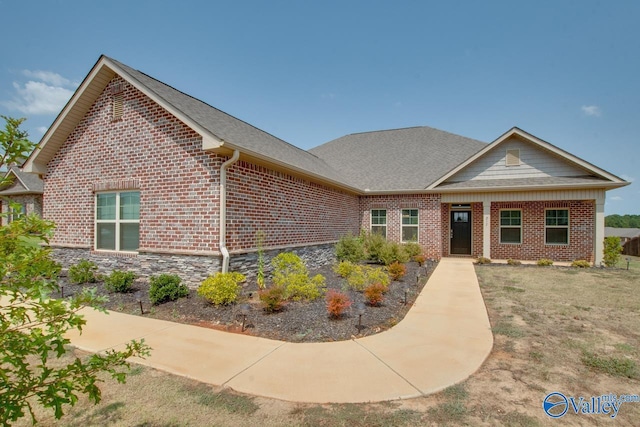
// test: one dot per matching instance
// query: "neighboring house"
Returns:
(21, 195)
(625, 234)
(140, 175)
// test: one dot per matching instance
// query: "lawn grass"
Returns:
(575, 331)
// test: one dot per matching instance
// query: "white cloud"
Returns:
(42, 129)
(616, 198)
(591, 110)
(45, 93)
(627, 178)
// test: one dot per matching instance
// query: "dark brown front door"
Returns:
(461, 232)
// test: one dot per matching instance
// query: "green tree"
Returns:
(33, 325)
(612, 250)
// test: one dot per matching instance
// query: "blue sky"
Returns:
(309, 72)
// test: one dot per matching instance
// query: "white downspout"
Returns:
(223, 210)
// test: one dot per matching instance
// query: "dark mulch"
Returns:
(297, 322)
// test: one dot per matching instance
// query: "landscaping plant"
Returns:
(337, 303)
(221, 288)
(397, 271)
(120, 281)
(374, 294)
(166, 287)
(290, 273)
(350, 248)
(83, 272)
(544, 262)
(580, 263)
(272, 298)
(612, 250)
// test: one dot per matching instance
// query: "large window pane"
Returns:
(410, 216)
(129, 236)
(106, 206)
(409, 234)
(106, 236)
(557, 236)
(381, 230)
(509, 235)
(130, 205)
(510, 218)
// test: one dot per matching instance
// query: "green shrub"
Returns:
(120, 281)
(290, 273)
(357, 280)
(612, 250)
(580, 263)
(544, 262)
(345, 268)
(374, 294)
(483, 260)
(166, 287)
(412, 249)
(272, 298)
(304, 288)
(374, 244)
(376, 275)
(392, 252)
(513, 262)
(350, 248)
(83, 272)
(397, 271)
(221, 288)
(337, 303)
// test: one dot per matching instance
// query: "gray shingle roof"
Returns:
(246, 137)
(628, 233)
(23, 183)
(398, 159)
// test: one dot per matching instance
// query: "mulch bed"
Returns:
(297, 322)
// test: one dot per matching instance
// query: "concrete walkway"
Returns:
(443, 339)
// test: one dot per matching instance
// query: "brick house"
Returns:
(23, 190)
(140, 175)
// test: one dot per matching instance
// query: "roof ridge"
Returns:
(210, 106)
(414, 127)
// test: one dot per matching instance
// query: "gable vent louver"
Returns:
(117, 101)
(513, 158)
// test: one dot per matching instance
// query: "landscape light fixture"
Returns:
(360, 308)
(245, 309)
(628, 262)
(406, 291)
(62, 289)
(139, 299)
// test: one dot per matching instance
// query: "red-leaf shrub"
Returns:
(374, 293)
(272, 298)
(337, 303)
(397, 270)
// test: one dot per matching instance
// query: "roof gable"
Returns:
(519, 159)
(219, 130)
(21, 183)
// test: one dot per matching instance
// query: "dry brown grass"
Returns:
(556, 329)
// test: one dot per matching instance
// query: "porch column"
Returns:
(486, 228)
(599, 232)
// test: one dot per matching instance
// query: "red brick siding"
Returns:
(533, 247)
(148, 146)
(429, 218)
(287, 209)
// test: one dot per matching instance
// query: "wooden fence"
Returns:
(632, 247)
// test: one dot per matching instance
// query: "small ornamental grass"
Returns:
(544, 262)
(83, 272)
(581, 263)
(513, 262)
(166, 287)
(483, 260)
(120, 281)
(221, 288)
(337, 303)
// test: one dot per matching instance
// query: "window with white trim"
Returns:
(409, 225)
(511, 226)
(379, 222)
(556, 231)
(118, 221)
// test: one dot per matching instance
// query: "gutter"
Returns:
(223, 210)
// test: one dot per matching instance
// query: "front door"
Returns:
(461, 232)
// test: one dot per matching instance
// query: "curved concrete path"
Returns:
(443, 339)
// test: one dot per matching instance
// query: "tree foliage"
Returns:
(622, 221)
(33, 326)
